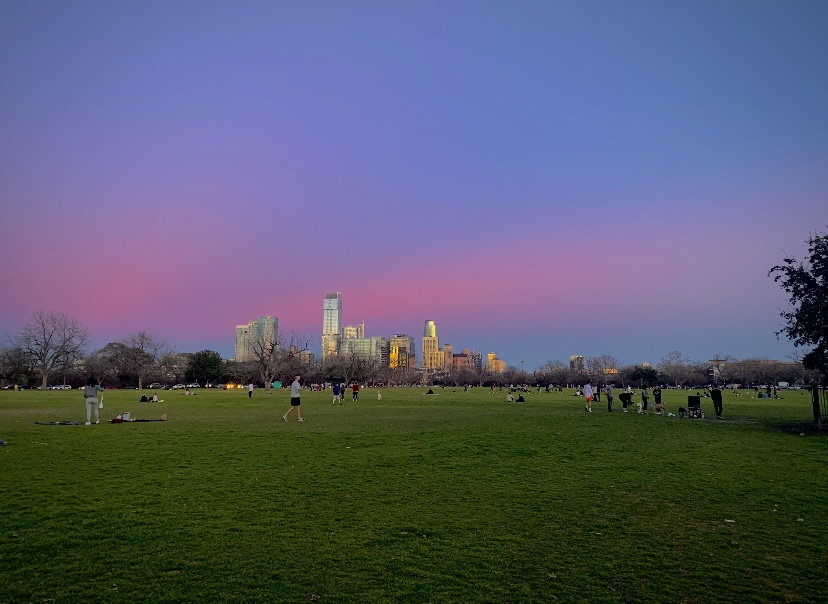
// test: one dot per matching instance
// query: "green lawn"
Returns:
(458, 497)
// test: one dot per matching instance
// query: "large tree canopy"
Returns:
(806, 320)
(205, 366)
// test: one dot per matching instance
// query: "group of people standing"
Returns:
(591, 393)
(339, 392)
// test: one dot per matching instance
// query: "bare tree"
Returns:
(99, 365)
(279, 357)
(350, 367)
(14, 366)
(601, 368)
(555, 372)
(51, 340)
(143, 353)
(173, 365)
(676, 368)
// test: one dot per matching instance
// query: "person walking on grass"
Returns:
(336, 395)
(608, 392)
(588, 397)
(295, 403)
(90, 393)
(250, 390)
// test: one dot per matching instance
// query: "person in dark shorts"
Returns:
(295, 402)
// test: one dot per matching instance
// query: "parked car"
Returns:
(62, 387)
(193, 385)
(155, 385)
(179, 387)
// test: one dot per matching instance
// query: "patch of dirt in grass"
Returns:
(770, 585)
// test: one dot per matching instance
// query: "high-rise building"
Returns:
(494, 364)
(243, 343)
(576, 361)
(354, 332)
(256, 337)
(401, 352)
(448, 354)
(331, 325)
(462, 361)
(432, 355)
(380, 350)
(477, 361)
(357, 346)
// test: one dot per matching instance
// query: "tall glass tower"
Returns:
(331, 325)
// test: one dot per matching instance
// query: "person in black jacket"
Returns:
(716, 396)
(658, 406)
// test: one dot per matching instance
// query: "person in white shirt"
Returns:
(295, 403)
(588, 396)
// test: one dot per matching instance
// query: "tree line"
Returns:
(52, 348)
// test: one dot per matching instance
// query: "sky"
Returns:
(541, 179)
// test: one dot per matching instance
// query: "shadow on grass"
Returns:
(797, 428)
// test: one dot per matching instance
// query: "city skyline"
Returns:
(540, 179)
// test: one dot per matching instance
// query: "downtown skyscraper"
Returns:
(433, 357)
(256, 337)
(331, 325)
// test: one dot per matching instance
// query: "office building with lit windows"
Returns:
(401, 353)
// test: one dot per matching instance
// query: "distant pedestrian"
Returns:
(716, 397)
(90, 394)
(645, 400)
(250, 390)
(355, 391)
(588, 396)
(608, 392)
(337, 391)
(295, 402)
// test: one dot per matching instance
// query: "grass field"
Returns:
(458, 497)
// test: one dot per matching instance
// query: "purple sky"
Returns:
(540, 178)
